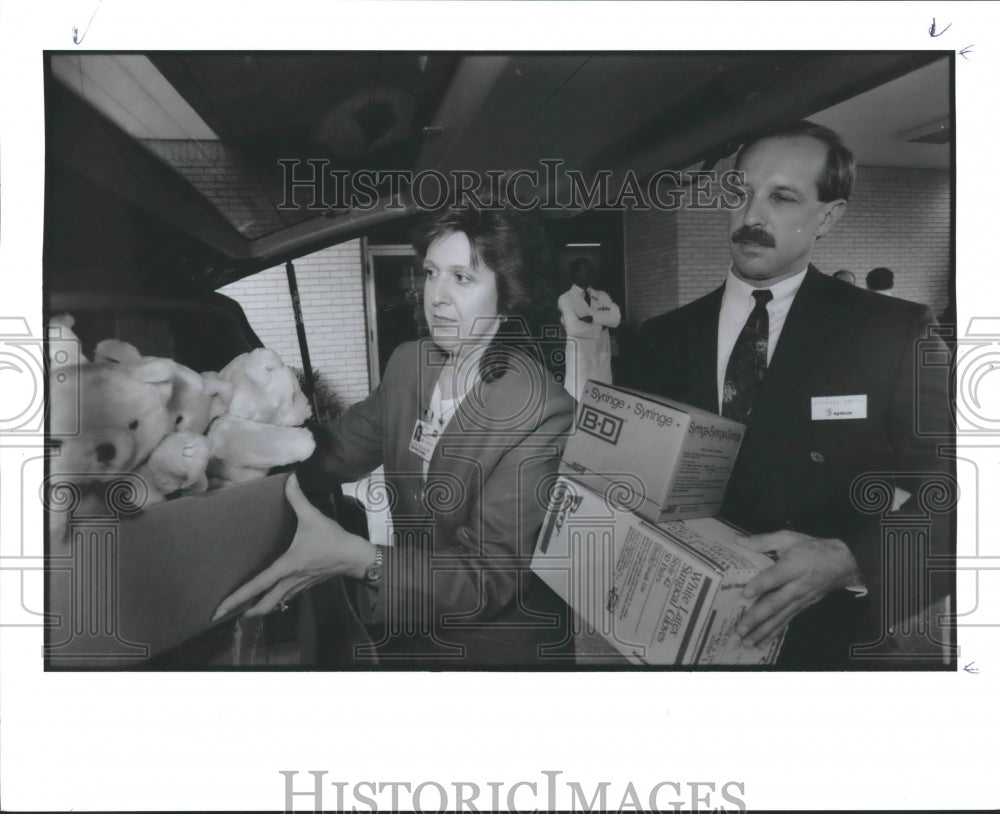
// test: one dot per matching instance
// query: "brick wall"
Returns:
(217, 171)
(331, 290)
(651, 264)
(897, 217)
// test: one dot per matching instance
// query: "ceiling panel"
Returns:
(879, 124)
(405, 111)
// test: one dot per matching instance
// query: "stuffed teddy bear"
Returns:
(117, 352)
(104, 419)
(265, 390)
(260, 429)
(118, 411)
(178, 464)
(197, 398)
(246, 450)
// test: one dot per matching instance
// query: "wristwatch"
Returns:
(373, 573)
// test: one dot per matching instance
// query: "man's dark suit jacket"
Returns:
(806, 475)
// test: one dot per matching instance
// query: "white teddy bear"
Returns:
(260, 429)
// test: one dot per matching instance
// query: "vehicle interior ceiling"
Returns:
(163, 177)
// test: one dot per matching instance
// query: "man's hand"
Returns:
(320, 549)
(808, 568)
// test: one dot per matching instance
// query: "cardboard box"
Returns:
(125, 589)
(676, 459)
(660, 594)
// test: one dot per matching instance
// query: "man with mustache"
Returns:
(825, 378)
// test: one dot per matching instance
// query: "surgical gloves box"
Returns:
(666, 594)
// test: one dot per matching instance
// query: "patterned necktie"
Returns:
(586, 296)
(748, 362)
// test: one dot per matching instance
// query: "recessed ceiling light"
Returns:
(935, 132)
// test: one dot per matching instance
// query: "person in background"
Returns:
(845, 276)
(587, 315)
(823, 375)
(469, 426)
(880, 280)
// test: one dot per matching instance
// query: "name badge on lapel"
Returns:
(839, 408)
(424, 439)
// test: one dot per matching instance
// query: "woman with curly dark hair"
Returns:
(469, 426)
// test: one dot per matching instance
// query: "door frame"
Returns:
(371, 305)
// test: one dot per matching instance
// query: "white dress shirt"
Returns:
(737, 303)
(438, 416)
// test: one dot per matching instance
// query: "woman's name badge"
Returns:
(423, 440)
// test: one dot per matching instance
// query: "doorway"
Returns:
(394, 293)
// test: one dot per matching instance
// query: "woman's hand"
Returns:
(320, 549)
